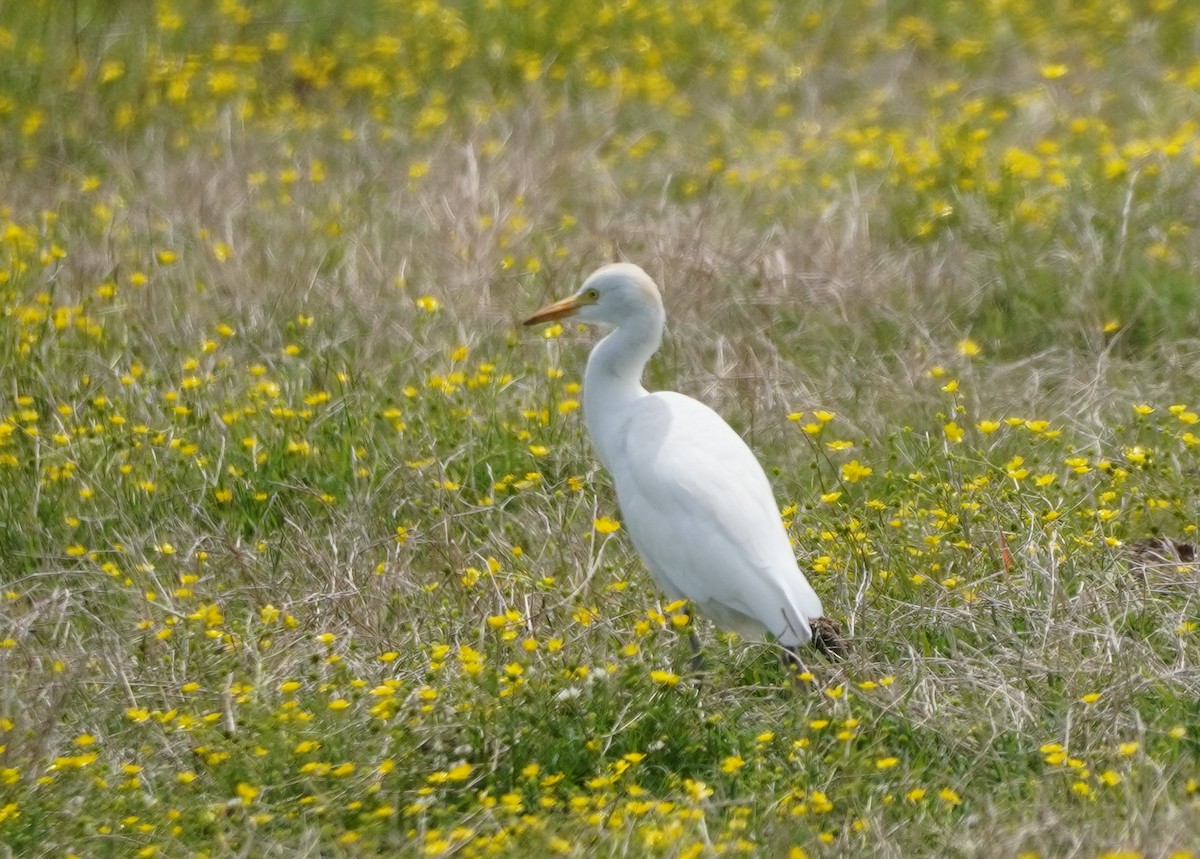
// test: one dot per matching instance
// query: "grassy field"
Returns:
(304, 551)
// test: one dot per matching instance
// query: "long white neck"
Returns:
(613, 380)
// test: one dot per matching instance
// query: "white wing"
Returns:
(700, 511)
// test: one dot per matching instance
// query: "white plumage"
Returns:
(694, 499)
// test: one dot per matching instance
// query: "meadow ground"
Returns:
(304, 551)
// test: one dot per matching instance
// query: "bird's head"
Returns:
(612, 295)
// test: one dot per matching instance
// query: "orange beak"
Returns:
(558, 310)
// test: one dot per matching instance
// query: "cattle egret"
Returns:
(694, 499)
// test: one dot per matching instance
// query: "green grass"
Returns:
(303, 547)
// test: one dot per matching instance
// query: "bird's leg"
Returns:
(697, 652)
(694, 641)
(793, 665)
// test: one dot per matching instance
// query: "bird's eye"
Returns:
(592, 294)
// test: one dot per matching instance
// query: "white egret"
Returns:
(694, 499)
